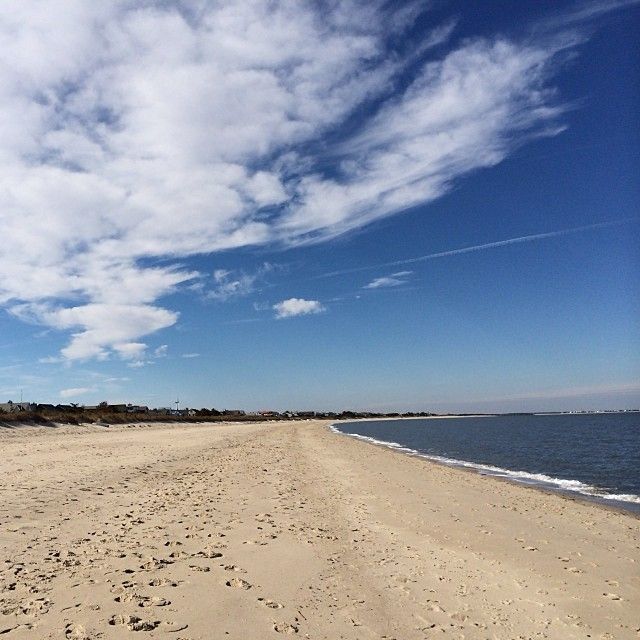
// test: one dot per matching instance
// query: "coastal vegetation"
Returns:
(48, 414)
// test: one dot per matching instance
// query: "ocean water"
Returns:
(596, 456)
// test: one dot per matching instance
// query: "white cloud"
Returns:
(102, 327)
(465, 112)
(131, 131)
(72, 393)
(190, 355)
(386, 281)
(235, 284)
(394, 280)
(136, 364)
(480, 247)
(130, 350)
(161, 351)
(297, 307)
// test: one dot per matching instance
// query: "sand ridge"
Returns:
(264, 530)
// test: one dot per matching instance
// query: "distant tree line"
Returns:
(105, 413)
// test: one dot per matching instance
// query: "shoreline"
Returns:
(604, 503)
(501, 473)
(263, 530)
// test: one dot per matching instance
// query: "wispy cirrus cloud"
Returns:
(235, 284)
(74, 392)
(393, 280)
(161, 351)
(132, 131)
(479, 247)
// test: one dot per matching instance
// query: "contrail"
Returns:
(480, 247)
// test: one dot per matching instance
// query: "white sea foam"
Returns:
(523, 477)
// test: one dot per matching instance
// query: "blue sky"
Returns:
(330, 206)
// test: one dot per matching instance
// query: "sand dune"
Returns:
(258, 531)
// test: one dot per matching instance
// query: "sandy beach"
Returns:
(262, 530)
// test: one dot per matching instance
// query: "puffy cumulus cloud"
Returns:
(297, 307)
(132, 131)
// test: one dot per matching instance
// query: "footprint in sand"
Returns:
(155, 563)
(154, 601)
(238, 583)
(233, 567)
(612, 596)
(126, 597)
(33, 607)
(143, 601)
(133, 623)
(272, 604)
(207, 553)
(289, 629)
(75, 632)
(164, 582)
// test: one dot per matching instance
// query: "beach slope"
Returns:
(263, 530)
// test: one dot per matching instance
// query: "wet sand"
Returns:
(263, 530)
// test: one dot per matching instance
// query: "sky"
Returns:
(386, 206)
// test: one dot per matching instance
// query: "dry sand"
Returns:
(253, 531)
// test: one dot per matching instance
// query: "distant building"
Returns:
(16, 407)
(134, 408)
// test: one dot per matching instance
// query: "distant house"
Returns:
(233, 412)
(117, 408)
(16, 407)
(134, 408)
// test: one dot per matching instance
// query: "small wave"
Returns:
(523, 477)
